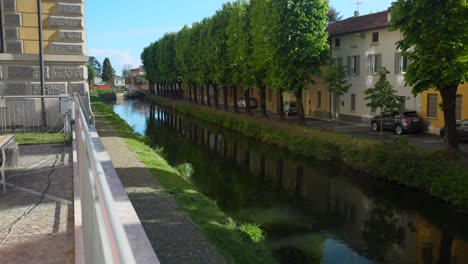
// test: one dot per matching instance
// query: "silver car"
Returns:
(462, 131)
(290, 108)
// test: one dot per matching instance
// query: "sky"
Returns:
(121, 29)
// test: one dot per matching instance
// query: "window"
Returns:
(337, 43)
(374, 62)
(353, 102)
(402, 100)
(375, 37)
(337, 61)
(401, 63)
(319, 99)
(458, 107)
(353, 65)
(432, 105)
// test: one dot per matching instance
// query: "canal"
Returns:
(312, 211)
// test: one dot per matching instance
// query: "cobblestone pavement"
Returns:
(174, 238)
(37, 212)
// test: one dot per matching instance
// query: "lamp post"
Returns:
(41, 60)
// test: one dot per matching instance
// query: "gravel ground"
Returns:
(173, 237)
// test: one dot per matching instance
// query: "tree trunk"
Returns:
(225, 97)
(181, 91)
(247, 101)
(449, 95)
(190, 92)
(215, 95)
(208, 99)
(300, 107)
(195, 95)
(263, 100)
(234, 98)
(280, 100)
(202, 98)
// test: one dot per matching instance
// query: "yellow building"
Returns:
(63, 46)
(433, 114)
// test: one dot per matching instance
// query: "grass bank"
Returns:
(238, 243)
(437, 173)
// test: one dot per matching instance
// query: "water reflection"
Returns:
(312, 211)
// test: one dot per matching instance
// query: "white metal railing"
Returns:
(104, 237)
(33, 113)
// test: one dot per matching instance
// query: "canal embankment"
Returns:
(181, 222)
(439, 173)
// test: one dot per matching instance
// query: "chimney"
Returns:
(356, 13)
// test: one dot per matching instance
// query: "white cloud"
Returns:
(118, 58)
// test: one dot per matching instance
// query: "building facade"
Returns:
(138, 81)
(63, 47)
(363, 45)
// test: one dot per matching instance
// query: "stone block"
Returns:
(28, 72)
(12, 20)
(69, 9)
(78, 87)
(49, 88)
(70, 36)
(18, 88)
(67, 73)
(11, 33)
(14, 46)
(65, 22)
(9, 5)
(66, 48)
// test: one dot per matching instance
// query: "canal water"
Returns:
(312, 211)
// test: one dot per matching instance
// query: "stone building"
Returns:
(63, 41)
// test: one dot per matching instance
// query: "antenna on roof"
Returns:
(356, 13)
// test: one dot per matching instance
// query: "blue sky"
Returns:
(120, 29)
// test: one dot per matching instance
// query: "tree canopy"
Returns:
(435, 41)
(95, 64)
(108, 73)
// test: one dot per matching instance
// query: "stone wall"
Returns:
(63, 42)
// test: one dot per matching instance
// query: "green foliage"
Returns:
(91, 74)
(437, 173)
(382, 95)
(108, 73)
(95, 64)
(254, 232)
(185, 170)
(335, 78)
(42, 138)
(333, 15)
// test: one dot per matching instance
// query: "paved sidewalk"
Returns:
(37, 228)
(174, 238)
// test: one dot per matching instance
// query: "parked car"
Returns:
(253, 103)
(398, 121)
(290, 108)
(462, 131)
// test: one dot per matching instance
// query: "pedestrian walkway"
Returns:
(173, 237)
(37, 212)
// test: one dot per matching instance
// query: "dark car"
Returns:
(253, 103)
(398, 121)
(462, 131)
(290, 108)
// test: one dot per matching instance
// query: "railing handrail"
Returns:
(113, 238)
(35, 96)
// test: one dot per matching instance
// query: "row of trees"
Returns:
(258, 43)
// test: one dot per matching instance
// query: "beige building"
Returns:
(63, 41)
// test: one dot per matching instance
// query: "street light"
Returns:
(41, 60)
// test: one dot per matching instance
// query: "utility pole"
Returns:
(41, 61)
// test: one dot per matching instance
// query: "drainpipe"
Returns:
(329, 92)
(41, 60)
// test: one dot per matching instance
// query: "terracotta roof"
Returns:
(359, 24)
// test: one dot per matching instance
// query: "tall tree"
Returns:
(95, 64)
(435, 41)
(382, 96)
(337, 83)
(126, 73)
(333, 15)
(108, 72)
(299, 44)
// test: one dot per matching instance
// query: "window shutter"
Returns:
(348, 65)
(369, 64)
(358, 64)
(397, 63)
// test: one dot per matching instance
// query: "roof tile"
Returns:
(360, 23)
